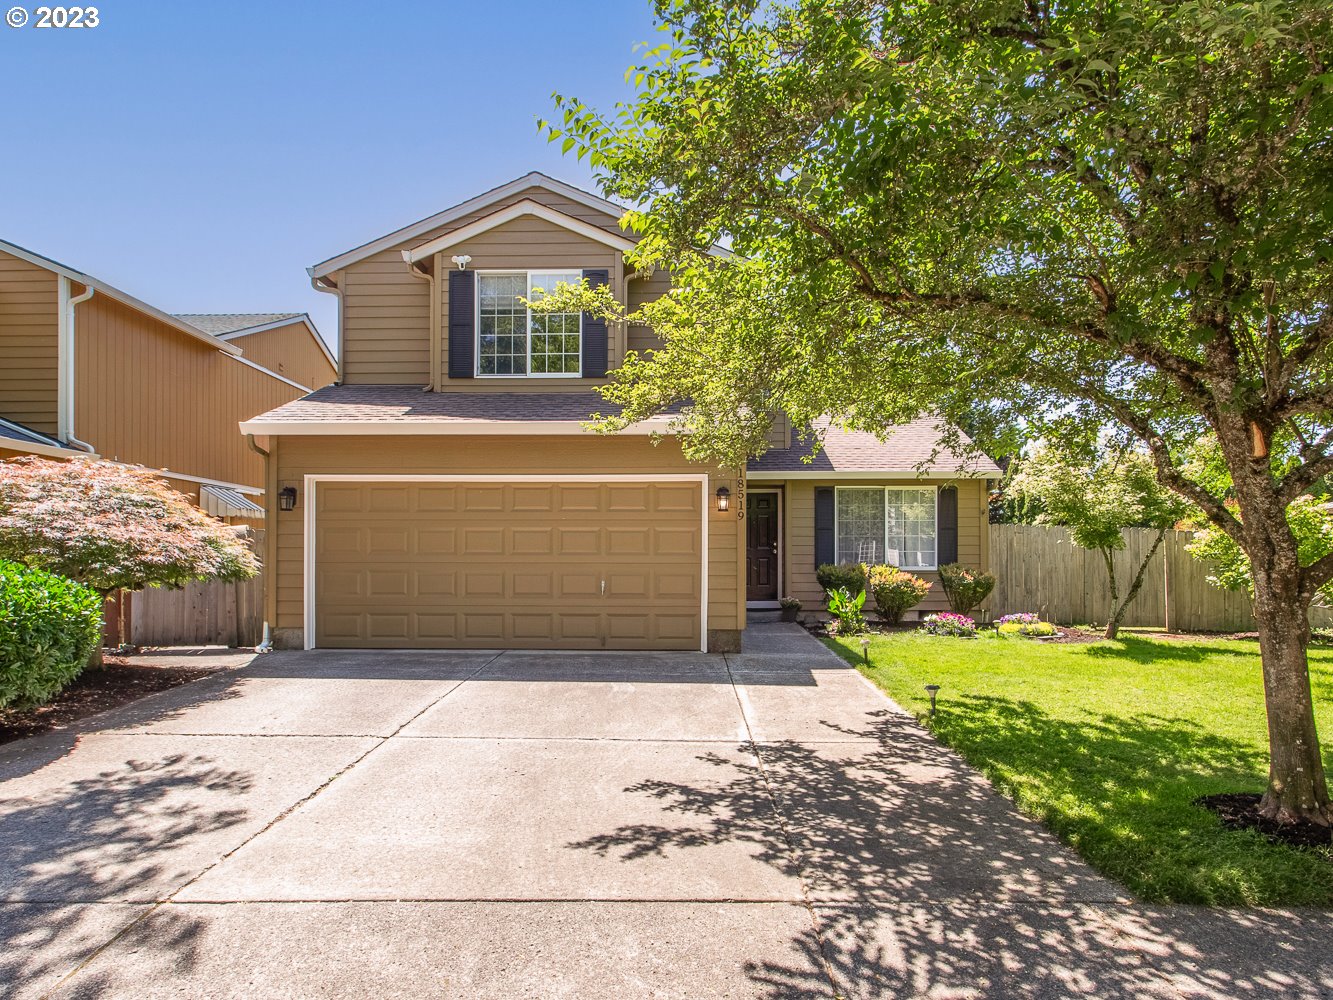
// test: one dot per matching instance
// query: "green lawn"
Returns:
(1107, 743)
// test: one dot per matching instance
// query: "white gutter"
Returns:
(65, 361)
(396, 428)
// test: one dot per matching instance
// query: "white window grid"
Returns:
(513, 327)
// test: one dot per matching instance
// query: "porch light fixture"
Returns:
(287, 498)
(723, 498)
(934, 689)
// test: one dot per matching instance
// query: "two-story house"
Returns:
(446, 493)
(87, 369)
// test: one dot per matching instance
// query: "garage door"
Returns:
(521, 565)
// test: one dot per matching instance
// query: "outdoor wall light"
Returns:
(462, 260)
(723, 498)
(934, 689)
(287, 498)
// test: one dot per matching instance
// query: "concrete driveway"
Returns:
(562, 825)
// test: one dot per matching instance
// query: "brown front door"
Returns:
(761, 547)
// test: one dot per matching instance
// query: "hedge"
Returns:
(49, 627)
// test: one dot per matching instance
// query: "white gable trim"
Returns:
(449, 215)
(303, 318)
(518, 210)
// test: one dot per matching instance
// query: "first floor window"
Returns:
(892, 525)
(513, 341)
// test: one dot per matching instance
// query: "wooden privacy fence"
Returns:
(201, 614)
(1038, 568)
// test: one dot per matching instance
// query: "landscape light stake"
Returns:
(934, 689)
(865, 650)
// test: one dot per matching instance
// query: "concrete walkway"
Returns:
(558, 825)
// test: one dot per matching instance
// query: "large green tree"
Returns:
(1080, 215)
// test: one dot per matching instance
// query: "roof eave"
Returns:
(481, 428)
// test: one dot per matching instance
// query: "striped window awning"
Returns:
(220, 501)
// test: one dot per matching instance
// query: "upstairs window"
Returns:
(886, 525)
(512, 341)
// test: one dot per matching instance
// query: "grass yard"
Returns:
(1109, 742)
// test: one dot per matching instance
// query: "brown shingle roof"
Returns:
(910, 448)
(410, 404)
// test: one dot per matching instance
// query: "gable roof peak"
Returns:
(533, 178)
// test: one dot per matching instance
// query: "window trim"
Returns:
(884, 491)
(564, 272)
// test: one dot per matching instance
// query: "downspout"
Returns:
(65, 362)
(266, 643)
(429, 278)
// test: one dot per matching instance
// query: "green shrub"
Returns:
(846, 612)
(965, 588)
(848, 576)
(895, 591)
(1025, 628)
(49, 626)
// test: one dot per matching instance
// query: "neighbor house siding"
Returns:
(297, 457)
(147, 394)
(799, 535)
(386, 326)
(290, 351)
(29, 333)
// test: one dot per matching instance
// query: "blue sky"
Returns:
(201, 156)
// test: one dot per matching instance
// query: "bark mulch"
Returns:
(1240, 811)
(117, 682)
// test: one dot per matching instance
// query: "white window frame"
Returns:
(573, 276)
(885, 490)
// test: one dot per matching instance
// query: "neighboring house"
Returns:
(86, 369)
(286, 343)
(446, 492)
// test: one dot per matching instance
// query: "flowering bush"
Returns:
(112, 527)
(1028, 629)
(895, 591)
(949, 623)
(1021, 618)
(965, 588)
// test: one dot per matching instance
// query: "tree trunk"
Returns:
(1119, 611)
(1297, 788)
(1116, 612)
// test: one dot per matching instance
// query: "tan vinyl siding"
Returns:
(290, 351)
(386, 311)
(297, 457)
(642, 290)
(147, 394)
(799, 536)
(386, 322)
(29, 344)
(779, 434)
(525, 244)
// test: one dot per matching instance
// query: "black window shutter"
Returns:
(823, 525)
(462, 324)
(594, 329)
(946, 543)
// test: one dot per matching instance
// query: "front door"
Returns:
(761, 546)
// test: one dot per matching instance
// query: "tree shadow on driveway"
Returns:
(922, 880)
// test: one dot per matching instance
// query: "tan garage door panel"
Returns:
(537, 565)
